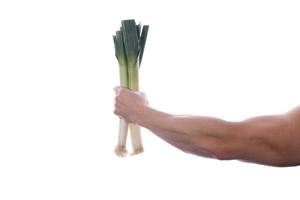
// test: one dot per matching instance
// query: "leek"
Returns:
(129, 44)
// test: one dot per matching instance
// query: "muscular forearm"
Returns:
(205, 136)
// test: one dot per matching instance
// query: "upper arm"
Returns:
(293, 148)
(272, 140)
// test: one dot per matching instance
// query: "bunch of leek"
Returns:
(129, 44)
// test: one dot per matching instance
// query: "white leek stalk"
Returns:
(120, 149)
(135, 130)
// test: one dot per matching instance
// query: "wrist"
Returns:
(152, 118)
(143, 115)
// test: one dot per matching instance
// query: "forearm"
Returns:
(205, 136)
(262, 140)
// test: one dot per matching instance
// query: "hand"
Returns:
(129, 104)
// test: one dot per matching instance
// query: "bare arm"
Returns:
(269, 140)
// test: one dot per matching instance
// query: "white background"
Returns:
(228, 59)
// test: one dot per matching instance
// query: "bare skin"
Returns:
(269, 140)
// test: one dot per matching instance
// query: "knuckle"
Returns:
(117, 98)
(121, 91)
(124, 92)
(116, 112)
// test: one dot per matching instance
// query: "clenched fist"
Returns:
(129, 105)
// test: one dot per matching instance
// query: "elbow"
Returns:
(210, 150)
(223, 152)
(227, 148)
(229, 145)
(222, 156)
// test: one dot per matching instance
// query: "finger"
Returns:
(118, 113)
(119, 101)
(117, 89)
